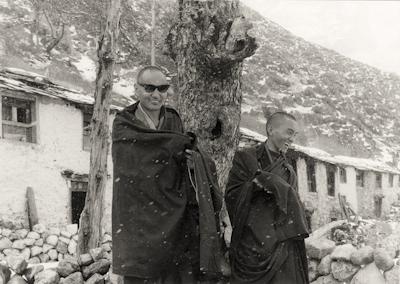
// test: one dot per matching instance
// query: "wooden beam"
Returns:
(32, 210)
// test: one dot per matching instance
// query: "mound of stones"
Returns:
(41, 245)
(333, 263)
(91, 268)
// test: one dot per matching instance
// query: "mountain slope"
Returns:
(343, 106)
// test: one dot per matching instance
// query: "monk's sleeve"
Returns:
(239, 183)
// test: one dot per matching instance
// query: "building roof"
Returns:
(318, 154)
(31, 83)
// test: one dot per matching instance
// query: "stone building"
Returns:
(45, 145)
(370, 187)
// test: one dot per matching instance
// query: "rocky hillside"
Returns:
(344, 106)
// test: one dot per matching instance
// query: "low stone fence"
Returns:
(48, 256)
(347, 253)
(42, 244)
(91, 268)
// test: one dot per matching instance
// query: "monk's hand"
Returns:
(189, 158)
(257, 182)
(260, 185)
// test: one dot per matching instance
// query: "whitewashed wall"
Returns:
(40, 165)
(349, 189)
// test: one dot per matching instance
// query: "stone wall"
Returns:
(39, 165)
(324, 206)
(362, 253)
(42, 244)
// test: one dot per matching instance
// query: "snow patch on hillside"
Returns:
(300, 109)
(86, 67)
(124, 88)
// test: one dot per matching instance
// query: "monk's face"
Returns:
(151, 89)
(282, 133)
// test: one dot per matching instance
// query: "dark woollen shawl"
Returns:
(151, 195)
(268, 227)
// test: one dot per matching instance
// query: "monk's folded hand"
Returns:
(189, 158)
(260, 185)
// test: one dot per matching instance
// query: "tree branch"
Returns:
(56, 41)
(49, 22)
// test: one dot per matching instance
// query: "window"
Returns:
(343, 175)
(311, 176)
(78, 197)
(378, 180)
(360, 178)
(87, 117)
(18, 118)
(330, 175)
(391, 177)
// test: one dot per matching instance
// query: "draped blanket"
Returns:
(151, 191)
(287, 216)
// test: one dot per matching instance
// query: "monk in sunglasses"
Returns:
(155, 214)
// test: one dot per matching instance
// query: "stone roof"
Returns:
(31, 83)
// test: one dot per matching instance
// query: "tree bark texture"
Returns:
(90, 231)
(209, 42)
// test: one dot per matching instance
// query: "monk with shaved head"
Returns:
(268, 219)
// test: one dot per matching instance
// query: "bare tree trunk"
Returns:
(209, 43)
(90, 231)
(153, 31)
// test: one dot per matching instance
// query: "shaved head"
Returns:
(281, 130)
(276, 118)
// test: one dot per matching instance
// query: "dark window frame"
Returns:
(311, 177)
(360, 178)
(331, 179)
(18, 117)
(391, 180)
(378, 180)
(86, 130)
(343, 175)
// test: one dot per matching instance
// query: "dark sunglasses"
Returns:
(151, 88)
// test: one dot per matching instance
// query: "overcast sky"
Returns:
(368, 31)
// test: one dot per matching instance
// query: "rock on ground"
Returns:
(85, 259)
(52, 240)
(343, 252)
(343, 270)
(33, 235)
(392, 276)
(17, 279)
(382, 259)
(47, 277)
(97, 253)
(95, 279)
(101, 267)
(74, 278)
(66, 267)
(369, 274)
(318, 248)
(324, 267)
(364, 255)
(5, 243)
(39, 228)
(312, 270)
(17, 263)
(328, 279)
(32, 271)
